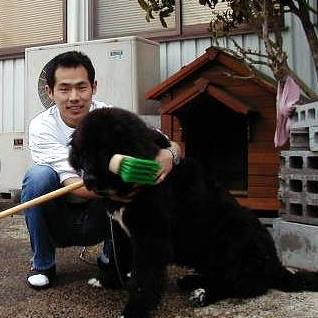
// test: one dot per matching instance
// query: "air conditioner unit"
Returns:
(13, 161)
(125, 69)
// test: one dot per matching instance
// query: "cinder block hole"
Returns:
(312, 162)
(299, 139)
(296, 185)
(296, 162)
(312, 211)
(302, 115)
(282, 161)
(312, 186)
(296, 209)
(316, 137)
(311, 114)
(295, 117)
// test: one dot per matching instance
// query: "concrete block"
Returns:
(297, 244)
(298, 212)
(298, 194)
(300, 181)
(300, 161)
(291, 186)
(305, 115)
(313, 138)
(299, 139)
(292, 208)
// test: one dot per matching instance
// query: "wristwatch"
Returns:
(175, 156)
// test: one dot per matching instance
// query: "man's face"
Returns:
(72, 93)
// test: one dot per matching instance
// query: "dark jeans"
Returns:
(60, 223)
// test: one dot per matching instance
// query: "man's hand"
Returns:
(166, 160)
(81, 192)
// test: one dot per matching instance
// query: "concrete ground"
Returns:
(72, 297)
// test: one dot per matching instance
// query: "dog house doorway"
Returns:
(218, 137)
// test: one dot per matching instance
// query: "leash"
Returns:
(114, 250)
(84, 250)
(82, 256)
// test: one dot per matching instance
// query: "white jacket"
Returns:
(49, 139)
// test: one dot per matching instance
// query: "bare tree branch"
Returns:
(265, 16)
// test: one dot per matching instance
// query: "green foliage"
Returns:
(163, 8)
(264, 17)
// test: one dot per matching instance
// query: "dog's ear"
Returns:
(74, 159)
(74, 154)
(161, 140)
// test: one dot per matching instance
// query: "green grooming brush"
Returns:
(141, 171)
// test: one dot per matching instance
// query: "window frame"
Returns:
(181, 32)
(164, 33)
(15, 52)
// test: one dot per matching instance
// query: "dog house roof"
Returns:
(221, 75)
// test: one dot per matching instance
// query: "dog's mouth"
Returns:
(119, 197)
(114, 190)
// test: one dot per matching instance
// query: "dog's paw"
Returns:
(94, 282)
(135, 312)
(189, 282)
(198, 297)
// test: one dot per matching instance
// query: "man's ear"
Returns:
(49, 92)
(94, 87)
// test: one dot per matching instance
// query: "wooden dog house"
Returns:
(223, 113)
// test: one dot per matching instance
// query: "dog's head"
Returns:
(103, 133)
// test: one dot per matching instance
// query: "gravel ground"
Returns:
(73, 298)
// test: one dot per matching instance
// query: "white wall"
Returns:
(12, 95)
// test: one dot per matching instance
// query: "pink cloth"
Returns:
(287, 96)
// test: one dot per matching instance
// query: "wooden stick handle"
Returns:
(42, 199)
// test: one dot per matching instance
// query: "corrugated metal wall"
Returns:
(12, 95)
(173, 56)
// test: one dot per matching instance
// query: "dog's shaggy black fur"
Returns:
(186, 219)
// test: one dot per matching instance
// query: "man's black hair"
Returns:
(69, 59)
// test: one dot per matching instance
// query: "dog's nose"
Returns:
(89, 181)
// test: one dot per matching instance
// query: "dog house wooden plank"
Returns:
(179, 101)
(268, 181)
(235, 64)
(267, 169)
(258, 192)
(262, 146)
(266, 204)
(166, 124)
(262, 130)
(261, 157)
(240, 67)
(227, 99)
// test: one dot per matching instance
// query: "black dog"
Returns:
(187, 220)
